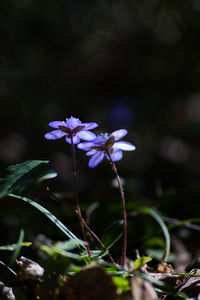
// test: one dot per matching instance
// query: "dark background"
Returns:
(123, 64)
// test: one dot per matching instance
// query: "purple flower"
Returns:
(72, 128)
(104, 144)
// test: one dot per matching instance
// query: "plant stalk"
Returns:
(97, 239)
(124, 210)
(85, 224)
(78, 209)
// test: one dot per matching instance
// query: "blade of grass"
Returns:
(18, 247)
(51, 217)
(175, 295)
(186, 274)
(156, 216)
(12, 247)
(163, 287)
(186, 223)
(112, 234)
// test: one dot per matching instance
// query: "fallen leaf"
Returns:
(170, 279)
(191, 285)
(29, 269)
(142, 289)
(92, 282)
(6, 293)
(163, 267)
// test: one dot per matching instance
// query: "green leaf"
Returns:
(24, 175)
(163, 287)
(157, 217)
(158, 253)
(95, 253)
(51, 217)
(141, 261)
(113, 269)
(113, 234)
(48, 174)
(154, 241)
(18, 247)
(184, 223)
(122, 283)
(67, 245)
(12, 247)
(56, 252)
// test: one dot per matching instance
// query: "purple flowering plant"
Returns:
(98, 147)
(23, 177)
(104, 144)
(109, 146)
(72, 129)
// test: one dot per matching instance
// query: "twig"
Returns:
(8, 268)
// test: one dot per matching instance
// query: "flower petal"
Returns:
(86, 135)
(116, 155)
(53, 135)
(76, 140)
(118, 134)
(96, 159)
(85, 146)
(55, 124)
(73, 122)
(89, 126)
(91, 152)
(124, 146)
(101, 139)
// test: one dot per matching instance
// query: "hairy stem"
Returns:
(124, 210)
(97, 239)
(78, 209)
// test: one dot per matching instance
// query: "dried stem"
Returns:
(8, 268)
(177, 221)
(124, 209)
(76, 197)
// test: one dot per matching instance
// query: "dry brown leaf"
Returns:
(92, 282)
(170, 279)
(125, 296)
(129, 264)
(142, 289)
(191, 285)
(163, 267)
(29, 269)
(6, 293)
(183, 257)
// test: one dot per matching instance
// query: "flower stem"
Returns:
(97, 239)
(78, 209)
(84, 223)
(124, 209)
